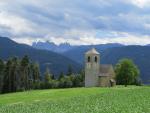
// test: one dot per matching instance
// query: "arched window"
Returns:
(89, 59)
(95, 59)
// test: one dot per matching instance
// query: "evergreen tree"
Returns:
(2, 66)
(14, 74)
(61, 75)
(11, 76)
(31, 78)
(7, 80)
(82, 76)
(48, 79)
(36, 72)
(36, 76)
(17, 75)
(25, 72)
(47, 76)
(70, 71)
(52, 77)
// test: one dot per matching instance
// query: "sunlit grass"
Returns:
(119, 99)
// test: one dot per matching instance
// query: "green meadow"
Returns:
(131, 99)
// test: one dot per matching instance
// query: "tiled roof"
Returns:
(105, 69)
(92, 51)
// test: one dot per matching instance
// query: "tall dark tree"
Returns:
(7, 78)
(34, 78)
(25, 69)
(61, 75)
(2, 66)
(18, 75)
(82, 75)
(70, 71)
(126, 72)
(11, 75)
(36, 72)
(47, 76)
(47, 79)
(14, 74)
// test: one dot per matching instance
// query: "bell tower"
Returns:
(92, 68)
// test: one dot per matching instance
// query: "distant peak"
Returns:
(64, 44)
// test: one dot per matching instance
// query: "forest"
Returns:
(22, 74)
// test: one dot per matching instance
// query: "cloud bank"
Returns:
(76, 21)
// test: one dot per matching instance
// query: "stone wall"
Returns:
(104, 81)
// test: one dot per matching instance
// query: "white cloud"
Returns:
(141, 3)
(88, 39)
(16, 24)
(76, 22)
(27, 40)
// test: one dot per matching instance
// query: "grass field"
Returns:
(79, 100)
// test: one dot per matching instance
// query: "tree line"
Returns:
(22, 74)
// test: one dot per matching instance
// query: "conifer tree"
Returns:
(25, 72)
(14, 74)
(47, 79)
(61, 75)
(47, 76)
(36, 72)
(6, 79)
(69, 70)
(2, 66)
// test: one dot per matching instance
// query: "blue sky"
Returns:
(76, 21)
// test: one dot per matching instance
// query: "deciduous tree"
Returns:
(126, 72)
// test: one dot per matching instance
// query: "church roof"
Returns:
(92, 51)
(105, 69)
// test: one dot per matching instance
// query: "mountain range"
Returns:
(59, 59)
(63, 47)
(56, 62)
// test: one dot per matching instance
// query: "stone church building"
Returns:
(97, 74)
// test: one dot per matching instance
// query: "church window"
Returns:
(89, 59)
(95, 59)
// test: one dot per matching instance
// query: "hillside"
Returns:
(139, 54)
(77, 54)
(57, 62)
(78, 100)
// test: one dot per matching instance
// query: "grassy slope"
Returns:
(78, 100)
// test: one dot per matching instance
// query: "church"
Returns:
(97, 75)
